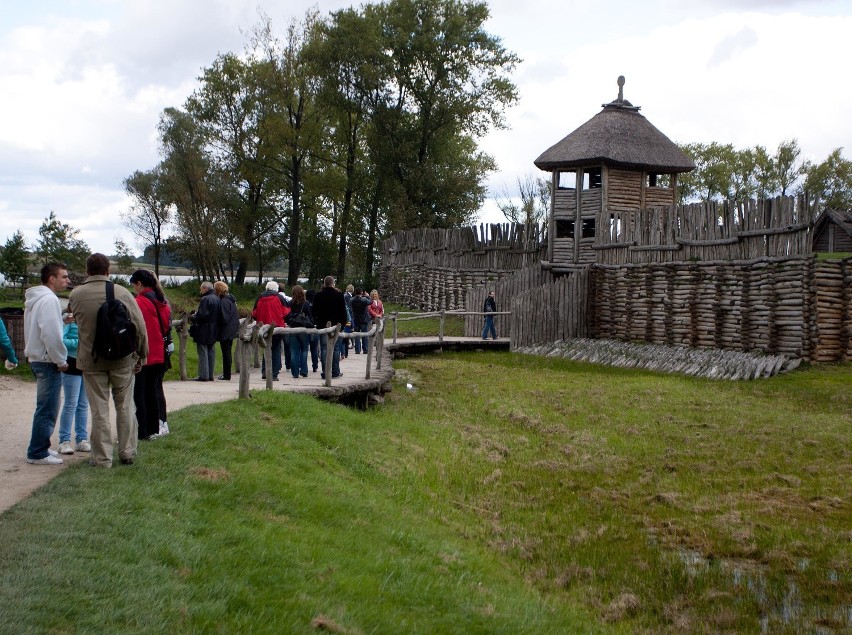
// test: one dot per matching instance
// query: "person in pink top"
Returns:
(376, 310)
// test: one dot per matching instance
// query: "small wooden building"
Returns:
(616, 161)
(833, 232)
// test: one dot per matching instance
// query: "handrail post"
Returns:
(267, 333)
(380, 342)
(368, 343)
(246, 341)
(183, 335)
(331, 342)
(441, 328)
(394, 317)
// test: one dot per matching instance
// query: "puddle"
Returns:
(781, 604)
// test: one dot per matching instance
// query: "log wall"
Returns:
(433, 269)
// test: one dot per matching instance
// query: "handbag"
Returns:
(300, 320)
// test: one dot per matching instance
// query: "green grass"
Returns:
(453, 325)
(590, 499)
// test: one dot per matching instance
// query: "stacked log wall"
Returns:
(433, 269)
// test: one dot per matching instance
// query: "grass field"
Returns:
(500, 494)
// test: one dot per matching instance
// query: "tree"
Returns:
(193, 187)
(123, 256)
(15, 259)
(530, 205)
(788, 166)
(830, 182)
(711, 178)
(60, 242)
(151, 213)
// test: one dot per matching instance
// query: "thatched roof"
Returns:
(618, 136)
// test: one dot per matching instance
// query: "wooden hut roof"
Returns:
(619, 136)
(841, 219)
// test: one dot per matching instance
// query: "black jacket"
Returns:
(490, 305)
(229, 318)
(206, 319)
(329, 306)
(359, 311)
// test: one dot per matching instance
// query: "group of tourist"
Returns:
(62, 353)
(60, 348)
(216, 320)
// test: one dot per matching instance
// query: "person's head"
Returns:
(97, 265)
(328, 281)
(221, 288)
(374, 294)
(349, 288)
(358, 291)
(206, 287)
(298, 294)
(143, 279)
(272, 286)
(491, 294)
(54, 275)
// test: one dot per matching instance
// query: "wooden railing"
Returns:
(413, 315)
(255, 336)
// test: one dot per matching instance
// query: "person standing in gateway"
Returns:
(104, 375)
(489, 308)
(48, 358)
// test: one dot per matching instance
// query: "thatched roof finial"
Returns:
(621, 88)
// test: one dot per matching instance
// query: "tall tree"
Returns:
(297, 121)
(150, 213)
(15, 259)
(232, 108)
(788, 165)
(711, 178)
(60, 242)
(830, 182)
(123, 256)
(190, 183)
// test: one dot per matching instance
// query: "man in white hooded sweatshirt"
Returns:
(47, 356)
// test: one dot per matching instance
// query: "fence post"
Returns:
(441, 328)
(331, 342)
(394, 317)
(183, 334)
(380, 342)
(369, 350)
(246, 341)
(265, 334)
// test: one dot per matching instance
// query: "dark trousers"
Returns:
(146, 399)
(227, 359)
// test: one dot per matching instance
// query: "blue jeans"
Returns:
(335, 356)
(206, 360)
(314, 346)
(75, 409)
(299, 355)
(276, 357)
(489, 326)
(48, 392)
(361, 343)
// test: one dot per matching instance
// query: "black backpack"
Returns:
(115, 332)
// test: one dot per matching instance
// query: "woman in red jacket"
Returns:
(149, 380)
(270, 309)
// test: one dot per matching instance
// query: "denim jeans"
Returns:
(314, 346)
(299, 355)
(489, 326)
(48, 394)
(361, 342)
(206, 360)
(75, 409)
(335, 356)
(277, 340)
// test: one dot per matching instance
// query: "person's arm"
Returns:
(6, 344)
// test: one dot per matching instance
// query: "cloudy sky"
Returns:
(83, 82)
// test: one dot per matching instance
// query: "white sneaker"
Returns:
(48, 460)
(66, 448)
(52, 452)
(84, 446)
(164, 428)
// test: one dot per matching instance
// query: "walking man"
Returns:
(47, 355)
(329, 307)
(489, 308)
(104, 375)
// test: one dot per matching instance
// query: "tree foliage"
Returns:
(60, 242)
(150, 215)
(529, 204)
(327, 136)
(15, 259)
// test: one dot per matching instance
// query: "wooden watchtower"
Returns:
(616, 161)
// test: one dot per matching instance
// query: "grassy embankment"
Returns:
(504, 493)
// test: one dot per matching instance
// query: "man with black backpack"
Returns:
(112, 348)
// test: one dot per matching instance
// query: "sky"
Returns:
(83, 83)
